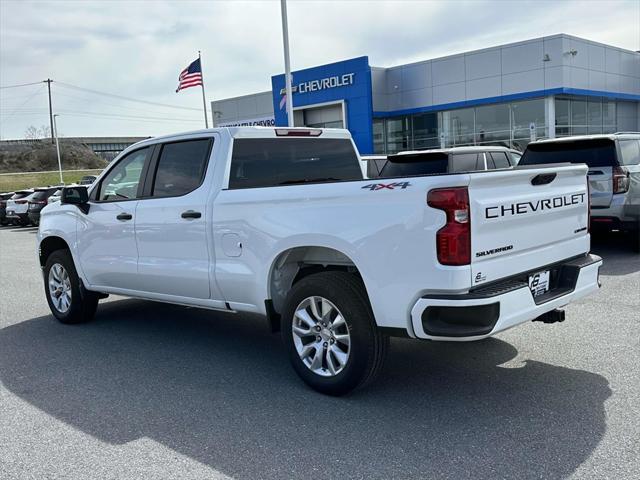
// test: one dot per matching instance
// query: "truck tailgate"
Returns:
(526, 218)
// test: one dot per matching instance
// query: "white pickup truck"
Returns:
(280, 222)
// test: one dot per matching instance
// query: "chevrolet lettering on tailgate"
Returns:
(523, 208)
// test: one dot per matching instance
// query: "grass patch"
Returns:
(18, 181)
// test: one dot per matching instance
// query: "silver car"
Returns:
(614, 175)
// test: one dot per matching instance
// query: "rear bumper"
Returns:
(18, 216)
(620, 215)
(505, 304)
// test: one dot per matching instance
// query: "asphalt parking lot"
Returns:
(149, 390)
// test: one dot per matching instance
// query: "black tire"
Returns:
(83, 303)
(368, 345)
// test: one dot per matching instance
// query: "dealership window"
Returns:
(398, 134)
(425, 131)
(578, 117)
(594, 116)
(459, 127)
(378, 136)
(524, 114)
(562, 117)
(493, 125)
(609, 124)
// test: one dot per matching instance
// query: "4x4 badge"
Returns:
(390, 186)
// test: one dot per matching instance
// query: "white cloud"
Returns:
(137, 49)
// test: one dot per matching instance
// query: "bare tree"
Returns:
(34, 133)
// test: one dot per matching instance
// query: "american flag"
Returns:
(190, 76)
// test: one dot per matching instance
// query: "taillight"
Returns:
(454, 239)
(21, 202)
(620, 180)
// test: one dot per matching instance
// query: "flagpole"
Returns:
(287, 64)
(204, 101)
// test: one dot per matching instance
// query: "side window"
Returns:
(630, 150)
(467, 162)
(500, 160)
(121, 183)
(181, 167)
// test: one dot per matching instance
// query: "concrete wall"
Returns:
(257, 106)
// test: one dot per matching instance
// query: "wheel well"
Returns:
(50, 245)
(294, 264)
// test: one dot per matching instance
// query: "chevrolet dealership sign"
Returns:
(322, 84)
(326, 83)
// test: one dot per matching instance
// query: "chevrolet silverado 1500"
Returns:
(281, 222)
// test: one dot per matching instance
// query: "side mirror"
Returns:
(78, 196)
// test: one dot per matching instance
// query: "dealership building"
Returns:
(506, 95)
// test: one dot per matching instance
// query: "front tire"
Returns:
(68, 300)
(330, 333)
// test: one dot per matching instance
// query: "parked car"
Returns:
(87, 180)
(614, 175)
(448, 160)
(280, 222)
(17, 207)
(3, 207)
(55, 196)
(37, 201)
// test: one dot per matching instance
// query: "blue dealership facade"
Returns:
(505, 95)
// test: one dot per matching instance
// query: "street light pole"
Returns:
(55, 129)
(287, 64)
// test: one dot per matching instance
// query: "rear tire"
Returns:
(68, 300)
(339, 347)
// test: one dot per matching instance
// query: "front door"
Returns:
(106, 235)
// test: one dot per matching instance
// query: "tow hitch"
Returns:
(553, 316)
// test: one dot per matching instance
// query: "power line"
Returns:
(121, 97)
(25, 85)
(34, 111)
(38, 90)
(106, 104)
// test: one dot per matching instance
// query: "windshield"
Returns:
(595, 153)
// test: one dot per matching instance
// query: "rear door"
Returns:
(599, 155)
(526, 218)
(171, 227)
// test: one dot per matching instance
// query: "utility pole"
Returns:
(48, 82)
(55, 124)
(287, 64)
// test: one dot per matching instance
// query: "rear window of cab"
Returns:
(270, 162)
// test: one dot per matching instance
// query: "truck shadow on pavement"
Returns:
(218, 388)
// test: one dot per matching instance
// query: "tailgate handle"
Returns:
(543, 179)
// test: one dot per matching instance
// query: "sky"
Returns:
(136, 49)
